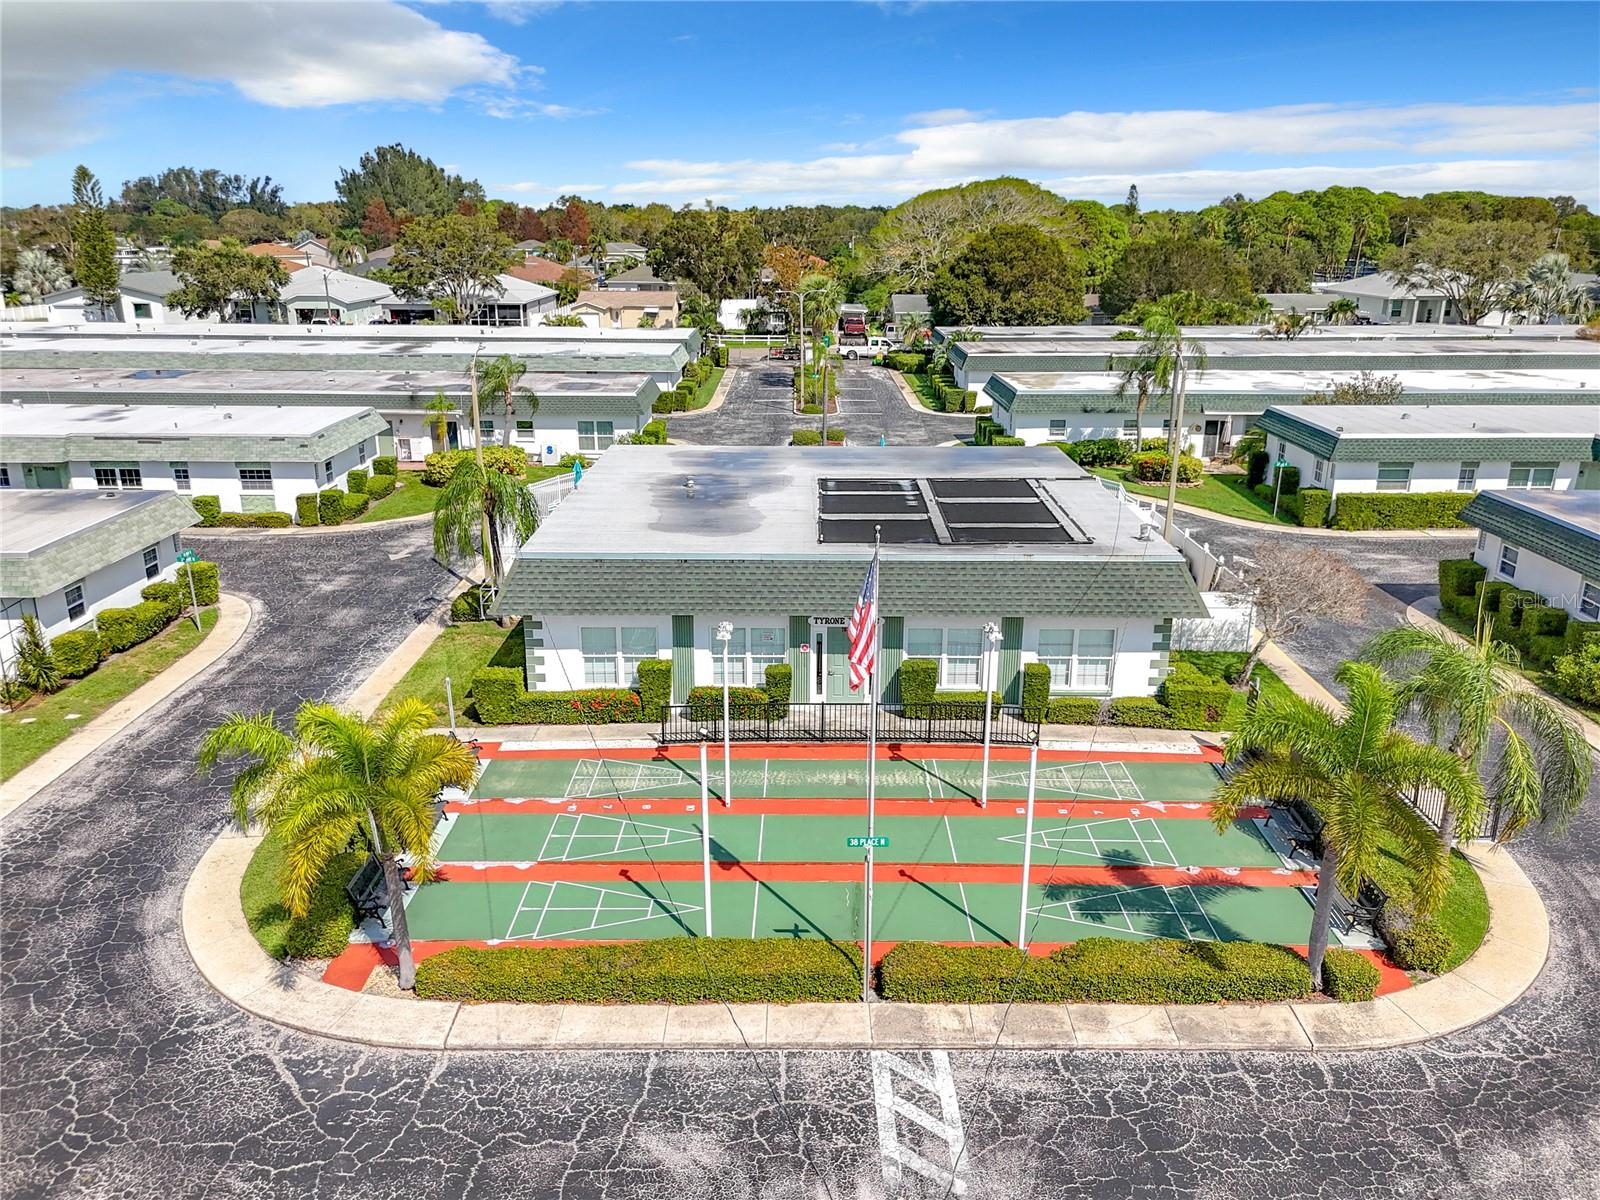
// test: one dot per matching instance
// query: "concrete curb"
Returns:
(717, 397)
(910, 397)
(229, 531)
(230, 960)
(233, 618)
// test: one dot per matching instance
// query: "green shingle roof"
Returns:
(55, 537)
(1353, 447)
(1517, 518)
(18, 445)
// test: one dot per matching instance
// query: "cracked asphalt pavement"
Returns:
(123, 1075)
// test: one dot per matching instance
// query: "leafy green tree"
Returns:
(250, 226)
(1160, 267)
(1341, 310)
(570, 282)
(440, 409)
(321, 218)
(1475, 264)
(1475, 704)
(915, 239)
(1357, 772)
(209, 193)
(719, 251)
(342, 778)
(501, 378)
(405, 181)
(1366, 388)
(1009, 275)
(1549, 292)
(478, 510)
(218, 279)
(37, 275)
(453, 261)
(1286, 326)
(94, 245)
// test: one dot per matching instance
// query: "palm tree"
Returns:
(1163, 362)
(339, 779)
(1287, 325)
(477, 509)
(345, 250)
(1356, 772)
(1477, 706)
(1136, 372)
(1341, 311)
(502, 377)
(440, 409)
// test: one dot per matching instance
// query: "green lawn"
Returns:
(411, 497)
(1532, 674)
(1464, 912)
(1224, 663)
(707, 389)
(920, 385)
(1224, 494)
(458, 652)
(535, 474)
(325, 929)
(42, 723)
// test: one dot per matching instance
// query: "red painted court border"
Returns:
(822, 806)
(893, 751)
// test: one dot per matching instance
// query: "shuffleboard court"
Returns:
(554, 836)
(897, 778)
(539, 911)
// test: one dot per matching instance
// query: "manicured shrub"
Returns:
(1543, 649)
(1577, 675)
(654, 433)
(77, 652)
(307, 510)
(355, 480)
(386, 464)
(984, 430)
(1074, 710)
(206, 581)
(919, 679)
(806, 437)
(325, 929)
(1150, 466)
(1256, 468)
(663, 971)
(779, 678)
(121, 628)
(1035, 691)
(836, 436)
(655, 687)
(1140, 712)
(500, 698)
(1096, 970)
(380, 486)
(568, 461)
(1288, 481)
(744, 703)
(209, 508)
(330, 506)
(1099, 452)
(1543, 620)
(172, 599)
(662, 404)
(1004, 440)
(905, 361)
(355, 504)
(1424, 945)
(1390, 510)
(1310, 507)
(255, 520)
(470, 605)
(1458, 578)
(721, 356)
(1195, 700)
(1349, 976)
(440, 466)
(1581, 633)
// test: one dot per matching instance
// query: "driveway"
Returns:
(123, 1075)
(756, 411)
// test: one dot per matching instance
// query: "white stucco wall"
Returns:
(116, 585)
(1560, 586)
(1036, 427)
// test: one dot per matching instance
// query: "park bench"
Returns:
(368, 891)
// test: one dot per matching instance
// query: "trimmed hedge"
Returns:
(172, 599)
(1577, 675)
(1096, 970)
(1150, 466)
(813, 437)
(1256, 471)
(122, 628)
(1003, 440)
(1035, 691)
(667, 970)
(1401, 510)
(1424, 945)
(254, 520)
(1458, 580)
(500, 698)
(355, 480)
(744, 703)
(1288, 481)
(440, 466)
(1141, 712)
(77, 652)
(779, 678)
(655, 687)
(330, 506)
(1310, 507)
(380, 486)
(209, 508)
(921, 699)
(1348, 976)
(386, 464)
(206, 581)
(719, 355)
(1581, 632)
(306, 509)
(355, 504)
(1194, 700)
(1074, 710)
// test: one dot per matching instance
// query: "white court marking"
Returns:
(1152, 900)
(597, 904)
(599, 777)
(1080, 839)
(604, 836)
(1108, 781)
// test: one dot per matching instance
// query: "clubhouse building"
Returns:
(776, 541)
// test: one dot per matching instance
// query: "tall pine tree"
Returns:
(94, 260)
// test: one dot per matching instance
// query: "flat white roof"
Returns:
(375, 339)
(170, 420)
(394, 381)
(1550, 379)
(34, 518)
(1449, 420)
(1364, 333)
(1302, 347)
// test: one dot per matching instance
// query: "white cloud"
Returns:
(1183, 156)
(518, 12)
(525, 186)
(284, 55)
(510, 108)
(946, 116)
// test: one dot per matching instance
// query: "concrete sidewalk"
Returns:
(227, 955)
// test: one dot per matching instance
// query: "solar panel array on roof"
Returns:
(941, 511)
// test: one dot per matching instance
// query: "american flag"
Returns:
(863, 629)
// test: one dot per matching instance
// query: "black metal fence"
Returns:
(776, 721)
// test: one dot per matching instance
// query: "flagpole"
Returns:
(872, 773)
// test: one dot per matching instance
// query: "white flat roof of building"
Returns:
(1449, 420)
(1577, 508)
(374, 339)
(1553, 379)
(34, 518)
(1221, 349)
(1362, 333)
(396, 382)
(170, 420)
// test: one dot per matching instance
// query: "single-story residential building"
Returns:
(616, 252)
(143, 297)
(1448, 448)
(518, 302)
(776, 541)
(907, 310)
(544, 271)
(1544, 542)
(1220, 405)
(1386, 298)
(323, 295)
(752, 314)
(620, 308)
(253, 458)
(69, 554)
(638, 279)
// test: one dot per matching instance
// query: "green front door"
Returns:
(836, 684)
(45, 475)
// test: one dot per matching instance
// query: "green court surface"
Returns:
(553, 836)
(923, 779)
(973, 912)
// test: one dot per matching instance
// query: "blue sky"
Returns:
(780, 102)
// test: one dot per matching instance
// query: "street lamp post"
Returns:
(725, 636)
(991, 638)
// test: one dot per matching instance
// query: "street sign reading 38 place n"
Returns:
(858, 843)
